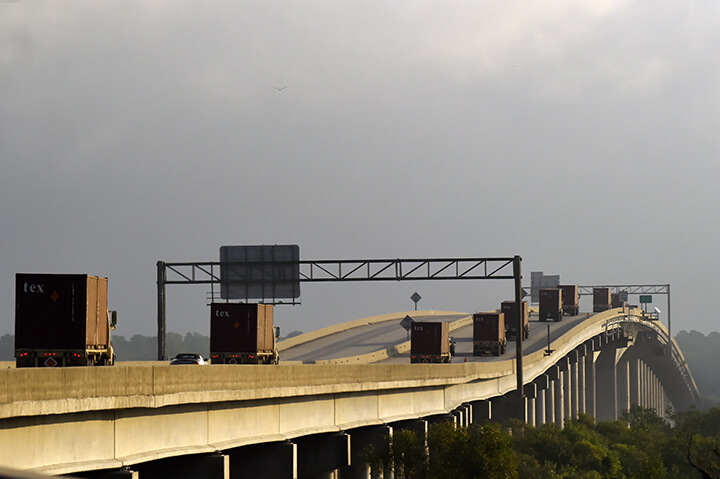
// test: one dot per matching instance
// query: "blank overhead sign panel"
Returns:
(263, 272)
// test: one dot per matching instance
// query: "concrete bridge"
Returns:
(312, 421)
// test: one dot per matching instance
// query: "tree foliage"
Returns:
(639, 446)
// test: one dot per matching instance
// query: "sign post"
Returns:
(416, 298)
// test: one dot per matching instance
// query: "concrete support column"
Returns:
(507, 407)
(606, 385)
(582, 401)
(623, 387)
(123, 473)
(634, 364)
(542, 382)
(210, 466)
(574, 386)
(553, 374)
(582, 352)
(321, 454)
(649, 387)
(530, 391)
(646, 386)
(481, 411)
(273, 459)
(590, 386)
(361, 440)
(550, 403)
(565, 368)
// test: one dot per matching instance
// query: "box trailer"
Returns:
(617, 300)
(571, 299)
(430, 342)
(489, 334)
(510, 310)
(242, 333)
(602, 299)
(62, 320)
(551, 304)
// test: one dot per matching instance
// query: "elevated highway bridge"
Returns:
(336, 391)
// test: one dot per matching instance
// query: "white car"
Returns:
(188, 358)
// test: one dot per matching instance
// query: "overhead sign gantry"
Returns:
(271, 274)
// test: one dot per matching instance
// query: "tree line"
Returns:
(640, 446)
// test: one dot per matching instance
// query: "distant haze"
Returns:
(582, 136)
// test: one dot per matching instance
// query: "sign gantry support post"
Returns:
(161, 279)
(517, 274)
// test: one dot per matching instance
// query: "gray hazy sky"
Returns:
(582, 136)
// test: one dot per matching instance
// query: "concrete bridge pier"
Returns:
(210, 466)
(554, 404)
(462, 415)
(509, 406)
(542, 383)
(581, 352)
(530, 391)
(592, 353)
(272, 459)
(623, 386)
(607, 379)
(566, 388)
(553, 373)
(123, 473)
(573, 384)
(362, 441)
(481, 411)
(319, 456)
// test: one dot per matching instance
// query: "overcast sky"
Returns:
(582, 136)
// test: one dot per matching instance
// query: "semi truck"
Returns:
(551, 304)
(602, 299)
(430, 342)
(62, 320)
(242, 333)
(489, 334)
(510, 311)
(571, 299)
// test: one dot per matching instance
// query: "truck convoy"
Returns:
(508, 308)
(571, 299)
(242, 333)
(430, 342)
(62, 320)
(489, 334)
(551, 304)
(602, 300)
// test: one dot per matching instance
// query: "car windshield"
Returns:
(187, 356)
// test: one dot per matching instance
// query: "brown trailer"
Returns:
(489, 334)
(430, 342)
(571, 299)
(242, 333)
(62, 320)
(602, 300)
(551, 304)
(508, 308)
(616, 300)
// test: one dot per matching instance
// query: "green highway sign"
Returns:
(645, 299)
